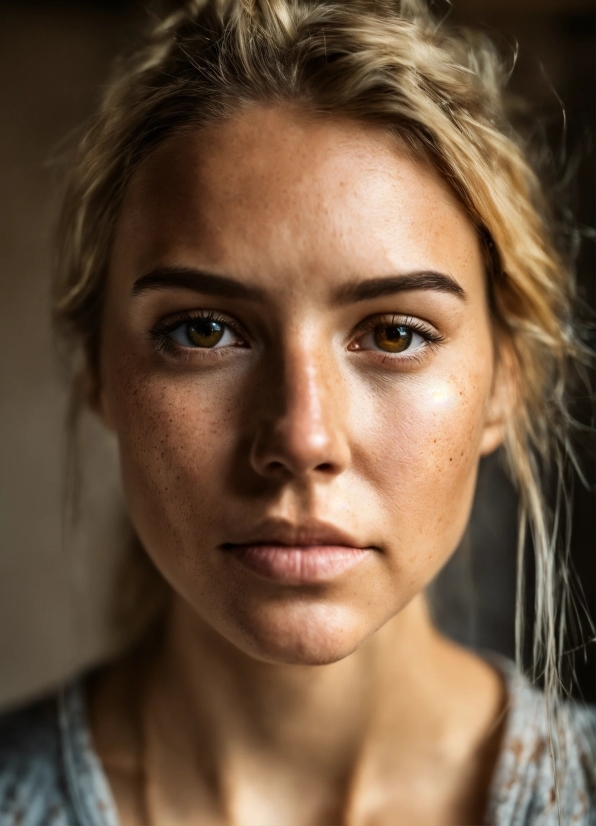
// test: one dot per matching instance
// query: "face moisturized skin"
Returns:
(297, 360)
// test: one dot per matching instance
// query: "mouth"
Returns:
(299, 556)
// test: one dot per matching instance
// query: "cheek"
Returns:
(177, 438)
(426, 449)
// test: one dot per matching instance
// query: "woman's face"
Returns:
(298, 363)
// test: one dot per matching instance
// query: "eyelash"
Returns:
(394, 320)
(161, 334)
(431, 337)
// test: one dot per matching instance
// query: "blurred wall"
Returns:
(55, 583)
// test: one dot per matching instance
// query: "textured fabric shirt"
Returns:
(51, 776)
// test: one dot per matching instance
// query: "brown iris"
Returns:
(394, 339)
(204, 332)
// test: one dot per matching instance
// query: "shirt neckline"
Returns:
(90, 793)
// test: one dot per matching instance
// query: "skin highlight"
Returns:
(332, 700)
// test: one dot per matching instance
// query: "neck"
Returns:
(240, 740)
(209, 705)
(204, 730)
(211, 678)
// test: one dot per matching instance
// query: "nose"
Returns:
(302, 431)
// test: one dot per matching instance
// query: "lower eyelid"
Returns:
(168, 348)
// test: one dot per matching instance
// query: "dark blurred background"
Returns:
(55, 579)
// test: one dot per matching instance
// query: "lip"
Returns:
(298, 555)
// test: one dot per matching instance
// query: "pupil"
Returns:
(204, 327)
(204, 332)
(395, 333)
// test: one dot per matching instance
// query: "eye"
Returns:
(206, 333)
(392, 338)
(203, 330)
(395, 339)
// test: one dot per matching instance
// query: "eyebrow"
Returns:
(188, 278)
(389, 285)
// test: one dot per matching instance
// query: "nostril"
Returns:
(325, 467)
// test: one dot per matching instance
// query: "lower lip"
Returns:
(298, 565)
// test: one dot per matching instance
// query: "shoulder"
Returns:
(32, 783)
(547, 762)
(578, 757)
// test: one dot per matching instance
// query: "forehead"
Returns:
(274, 190)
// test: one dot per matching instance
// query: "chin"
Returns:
(302, 634)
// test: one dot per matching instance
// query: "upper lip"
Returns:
(304, 534)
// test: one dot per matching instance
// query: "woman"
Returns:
(312, 279)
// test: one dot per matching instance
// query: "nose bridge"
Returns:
(306, 389)
(304, 430)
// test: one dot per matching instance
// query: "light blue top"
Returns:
(51, 776)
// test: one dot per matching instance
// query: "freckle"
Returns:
(451, 458)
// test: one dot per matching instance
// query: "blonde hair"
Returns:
(441, 91)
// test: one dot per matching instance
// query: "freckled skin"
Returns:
(297, 425)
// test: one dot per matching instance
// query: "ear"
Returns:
(502, 402)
